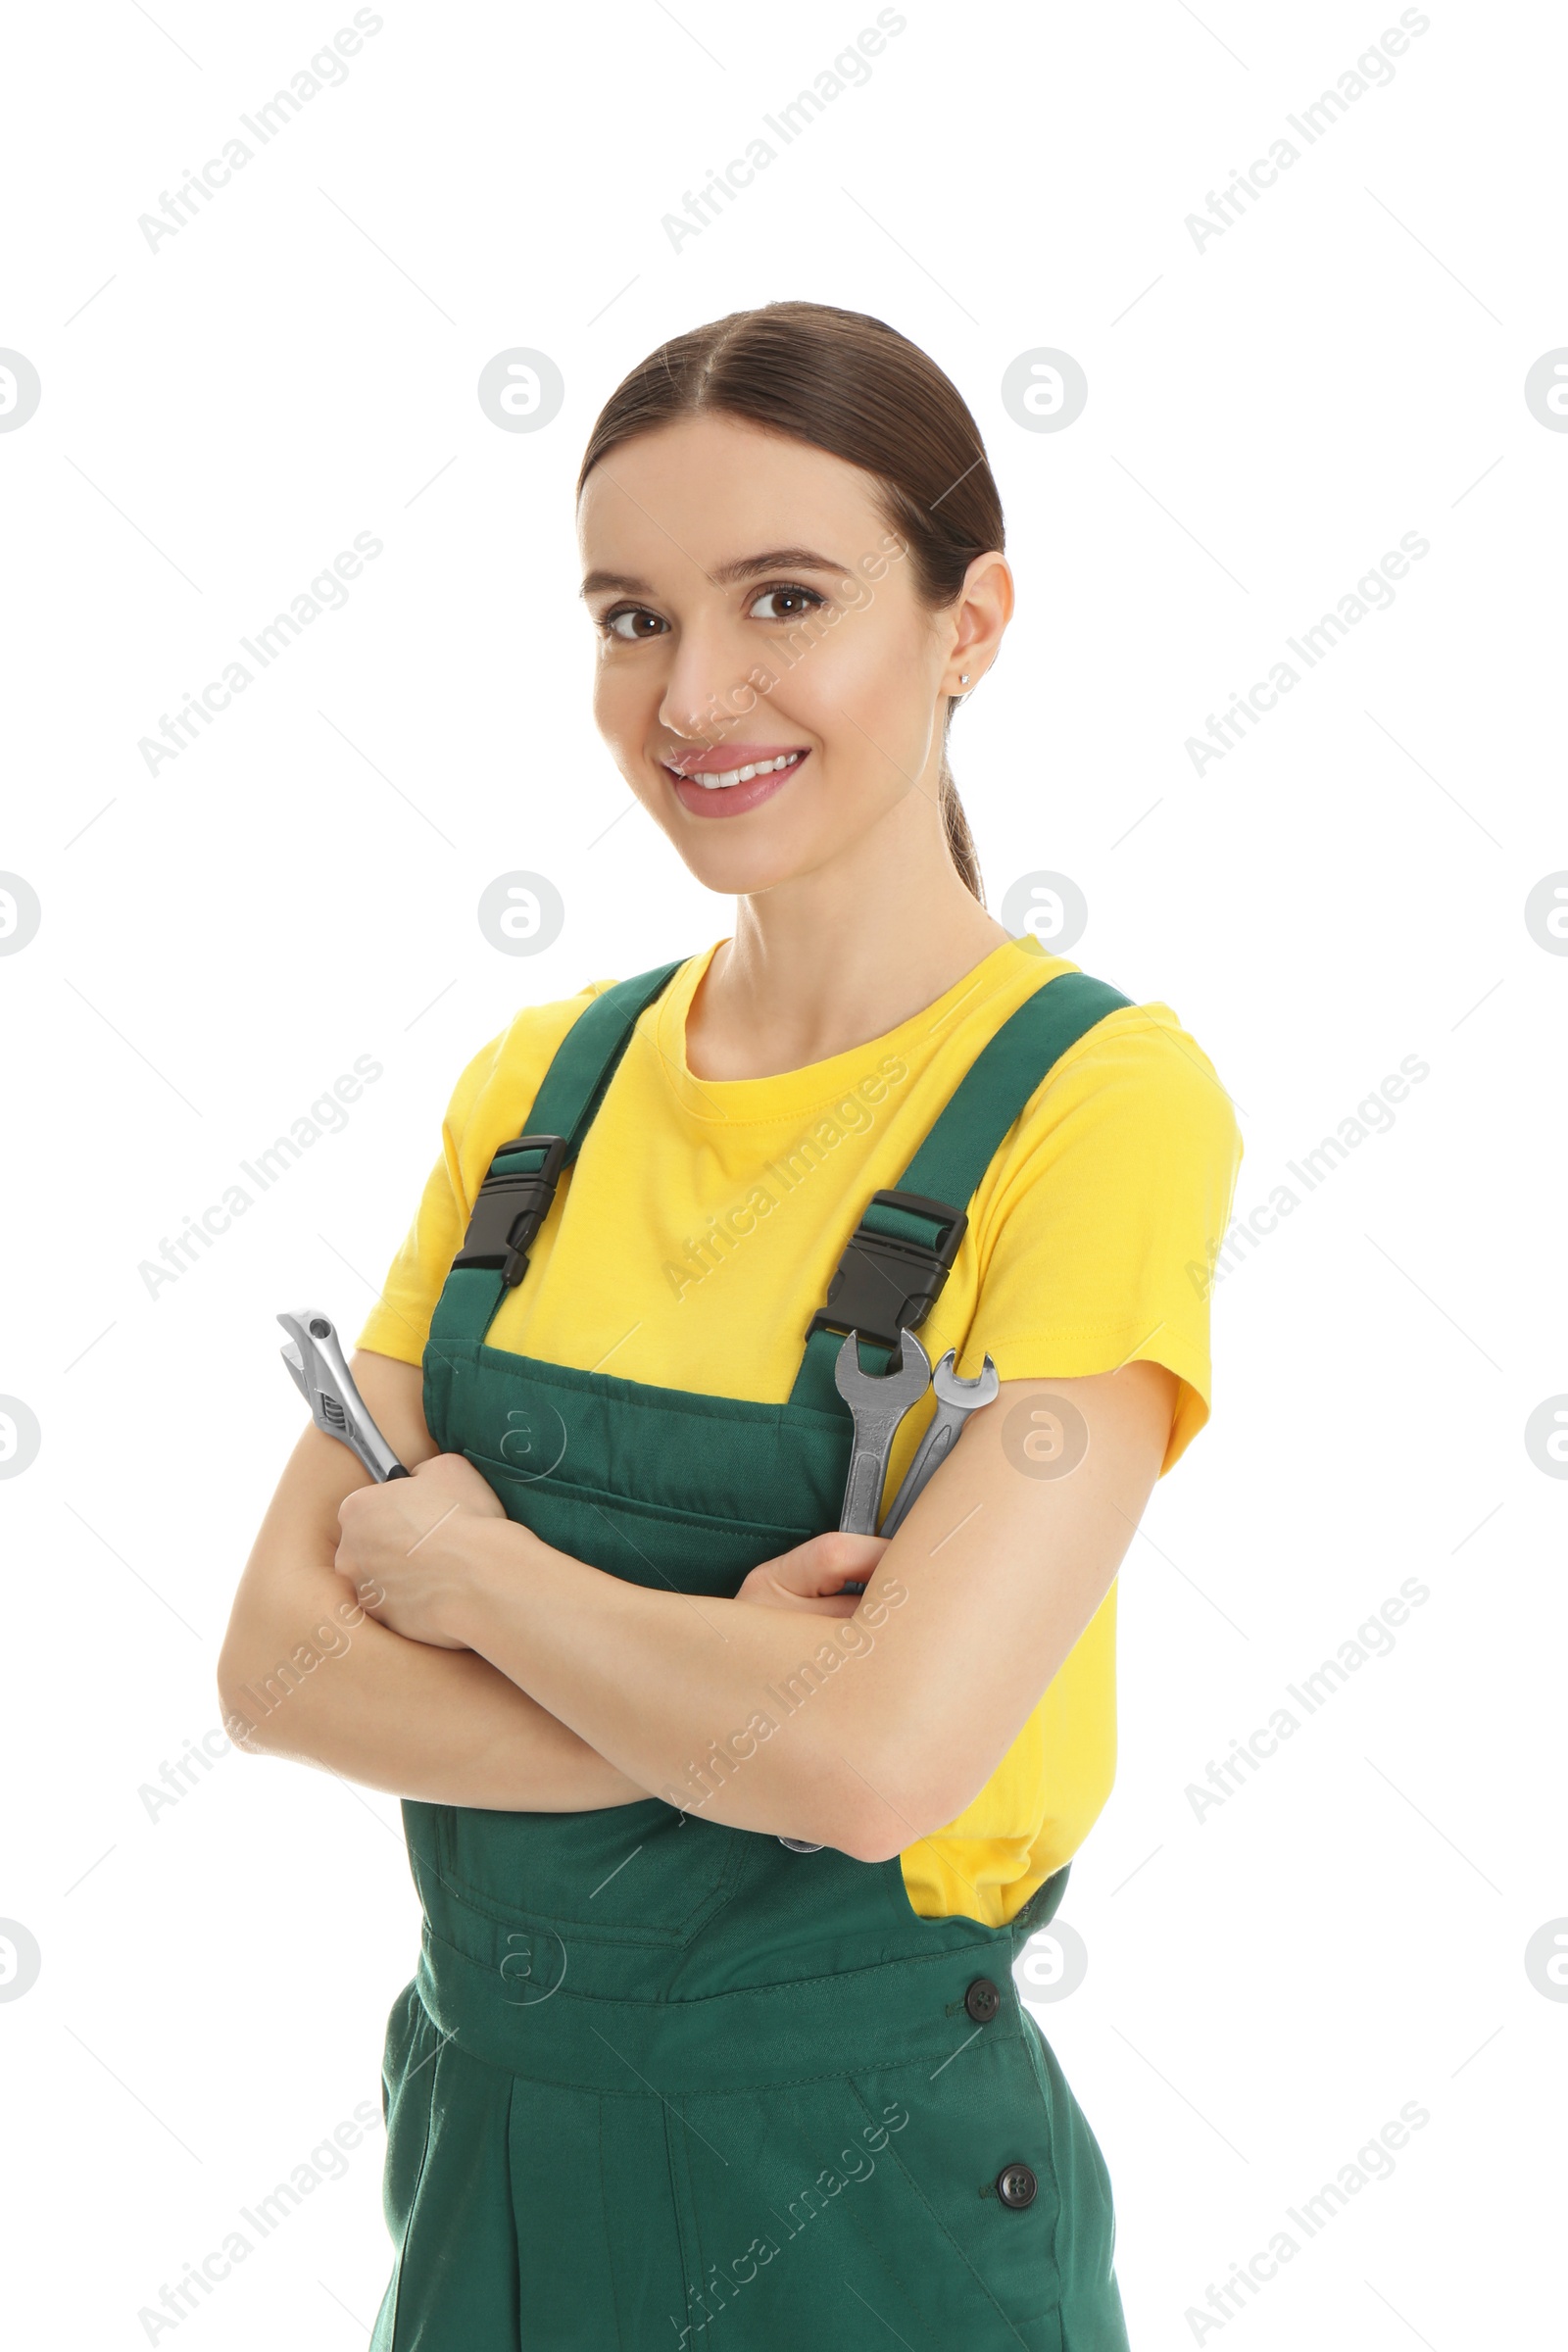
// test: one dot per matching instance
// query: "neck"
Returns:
(827, 961)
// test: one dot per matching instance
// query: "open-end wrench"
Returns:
(957, 1399)
(317, 1366)
(878, 1402)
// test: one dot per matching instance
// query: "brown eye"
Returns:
(788, 602)
(631, 623)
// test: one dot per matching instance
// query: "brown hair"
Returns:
(846, 383)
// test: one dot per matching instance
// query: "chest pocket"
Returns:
(638, 1874)
(690, 1550)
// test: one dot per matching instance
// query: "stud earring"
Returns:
(963, 677)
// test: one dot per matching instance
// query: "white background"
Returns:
(1267, 1984)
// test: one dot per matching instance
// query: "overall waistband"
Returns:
(525, 2017)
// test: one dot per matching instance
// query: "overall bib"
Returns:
(658, 2082)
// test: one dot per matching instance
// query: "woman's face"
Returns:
(756, 612)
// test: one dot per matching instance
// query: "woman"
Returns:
(727, 1825)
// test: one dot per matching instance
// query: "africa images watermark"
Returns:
(1373, 2161)
(852, 1638)
(1372, 593)
(327, 1640)
(326, 71)
(187, 1772)
(850, 70)
(851, 1115)
(328, 1115)
(1373, 1639)
(1373, 70)
(1373, 1115)
(326, 593)
(722, 2283)
(327, 2161)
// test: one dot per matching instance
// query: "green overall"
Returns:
(655, 2076)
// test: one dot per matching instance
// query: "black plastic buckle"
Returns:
(512, 1205)
(884, 1286)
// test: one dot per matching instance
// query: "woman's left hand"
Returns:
(402, 1545)
(812, 1575)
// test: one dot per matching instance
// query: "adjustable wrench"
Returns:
(319, 1370)
(957, 1399)
(878, 1402)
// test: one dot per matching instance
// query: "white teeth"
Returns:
(743, 775)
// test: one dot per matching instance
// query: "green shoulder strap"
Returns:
(919, 1223)
(514, 1198)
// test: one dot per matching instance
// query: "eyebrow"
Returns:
(772, 558)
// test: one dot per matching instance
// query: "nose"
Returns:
(707, 689)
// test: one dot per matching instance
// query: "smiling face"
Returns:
(769, 681)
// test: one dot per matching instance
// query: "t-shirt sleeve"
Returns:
(489, 1104)
(1098, 1224)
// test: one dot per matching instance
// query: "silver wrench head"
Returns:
(877, 1403)
(897, 1391)
(955, 1399)
(318, 1369)
(972, 1394)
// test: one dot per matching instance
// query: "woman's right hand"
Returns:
(812, 1575)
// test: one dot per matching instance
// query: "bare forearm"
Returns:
(742, 1714)
(329, 1686)
(304, 1673)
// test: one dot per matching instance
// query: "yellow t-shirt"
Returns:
(691, 1248)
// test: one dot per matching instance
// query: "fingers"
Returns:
(840, 1555)
(454, 1475)
(824, 1576)
(818, 1570)
(766, 1592)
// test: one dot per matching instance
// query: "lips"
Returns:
(736, 763)
(705, 787)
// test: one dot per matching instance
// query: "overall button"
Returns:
(1016, 2185)
(982, 2000)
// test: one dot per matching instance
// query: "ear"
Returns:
(977, 620)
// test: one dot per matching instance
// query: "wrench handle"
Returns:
(862, 1489)
(933, 1449)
